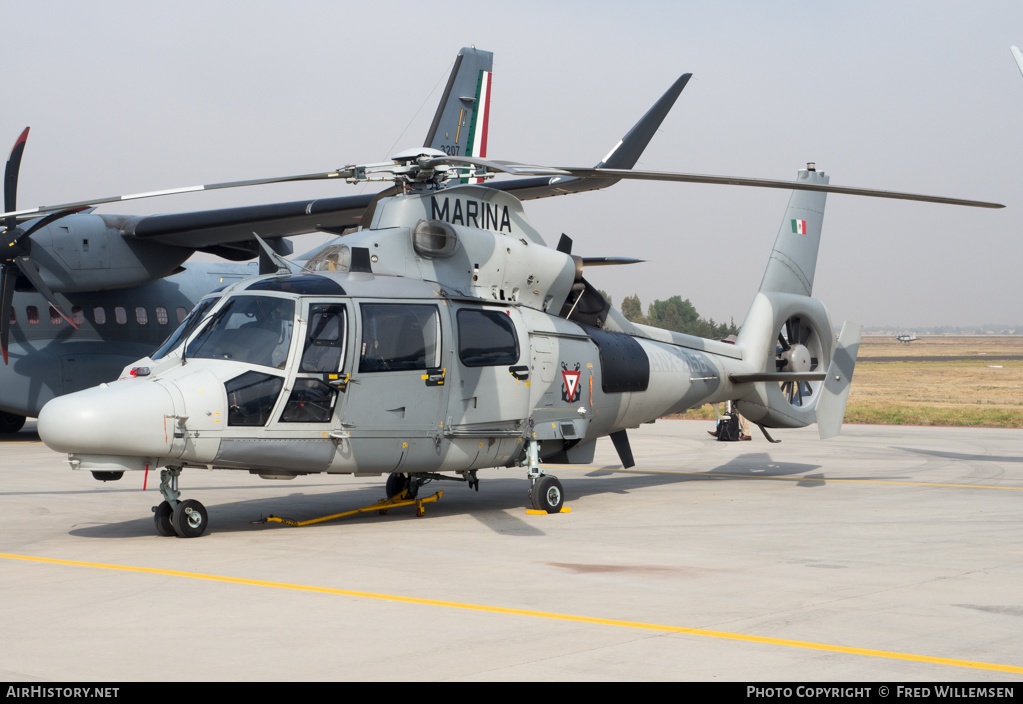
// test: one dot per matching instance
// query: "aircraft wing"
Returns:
(1018, 55)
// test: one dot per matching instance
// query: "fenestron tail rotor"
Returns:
(799, 350)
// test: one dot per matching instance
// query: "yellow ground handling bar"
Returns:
(381, 506)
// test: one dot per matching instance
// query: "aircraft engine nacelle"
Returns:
(90, 253)
(785, 333)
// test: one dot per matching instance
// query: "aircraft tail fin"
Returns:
(835, 390)
(794, 257)
(462, 120)
(1018, 55)
(799, 375)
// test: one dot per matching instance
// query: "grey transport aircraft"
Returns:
(86, 293)
(443, 336)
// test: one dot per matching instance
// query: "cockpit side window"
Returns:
(325, 338)
(251, 397)
(250, 329)
(186, 328)
(399, 337)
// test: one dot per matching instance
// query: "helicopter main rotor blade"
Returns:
(757, 183)
(323, 175)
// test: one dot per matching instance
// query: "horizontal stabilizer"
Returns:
(835, 392)
(776, 376)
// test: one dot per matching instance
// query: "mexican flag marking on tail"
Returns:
(799, 227)
(477, 141)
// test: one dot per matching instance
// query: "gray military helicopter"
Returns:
(88, 293)
(443, 336)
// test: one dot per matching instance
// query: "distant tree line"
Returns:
(678, 315)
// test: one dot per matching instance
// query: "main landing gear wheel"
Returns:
(546, 494)
(396, 483)
(10, 423)
(162, 519)
(189, 519)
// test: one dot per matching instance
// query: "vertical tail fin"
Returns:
(461, 123)
(794, 258)
(835, 391)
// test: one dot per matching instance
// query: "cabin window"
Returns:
(32, 314)
(77, 315)
(99, 315)
(251, 397)
(399, 337)
(120, 315)
(55, 317)
(181, 313)
(486, 338)
(250, 329)
(141, 315)
(161, 316)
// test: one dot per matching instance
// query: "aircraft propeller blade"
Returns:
(11, 176)
(6, 298)
(31, 272)
(610, 261)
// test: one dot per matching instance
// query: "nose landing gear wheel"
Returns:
(162, 519)
(546, 494)
(189, 519)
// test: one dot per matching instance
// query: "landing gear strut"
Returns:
(186, 519)
(545, 491)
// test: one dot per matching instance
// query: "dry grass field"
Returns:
(937, 380)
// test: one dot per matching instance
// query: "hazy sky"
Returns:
(917, 96)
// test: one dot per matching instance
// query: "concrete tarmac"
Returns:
(888, 554)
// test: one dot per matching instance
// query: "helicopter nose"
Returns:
(127, 417)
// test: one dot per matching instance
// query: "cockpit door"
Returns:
(395, 399)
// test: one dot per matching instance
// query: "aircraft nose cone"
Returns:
(126, 417)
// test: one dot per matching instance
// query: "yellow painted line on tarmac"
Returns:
(536, 614)
(811, 479)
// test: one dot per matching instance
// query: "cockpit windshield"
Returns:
(250, 329)
(187, 327)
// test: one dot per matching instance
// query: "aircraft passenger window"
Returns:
(55, 317)
(32, 313)
(399, 337)
(120, 315)
(251, 397)
(486, 338)
(99, 315)
(311, 401)
(141, 315)
(325, 338)
(181, 313)
(161, 315)
(77, 315)
(250, 329)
